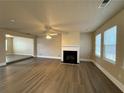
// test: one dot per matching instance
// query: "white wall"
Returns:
(23, 46)
(85, 45)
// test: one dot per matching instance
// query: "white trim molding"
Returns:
(49, 57)
(2, 64)
(23, 54)
(71, 48)
(112, 78)
(87, 60)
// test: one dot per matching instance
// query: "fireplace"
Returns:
(70, 57)
(70, 54)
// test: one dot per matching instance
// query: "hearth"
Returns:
(70, 57)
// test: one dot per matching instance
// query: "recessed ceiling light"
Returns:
(12, 20)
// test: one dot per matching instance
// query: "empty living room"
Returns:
(61, 46)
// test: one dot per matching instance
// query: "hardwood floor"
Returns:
(10, 58)
(51, 76)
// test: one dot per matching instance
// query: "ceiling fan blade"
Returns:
(53, 34)
(51, 31)
(56, 30)
(44, 31)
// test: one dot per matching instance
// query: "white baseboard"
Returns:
(87, 60)
(112, 78)
(22, 54)
(9, 53)
(2, 64)
(49, 57)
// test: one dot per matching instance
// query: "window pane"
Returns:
(110, 44)
(98, 45)
(110, 36)
(110, 52)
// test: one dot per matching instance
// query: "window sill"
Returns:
(110, 61)
(98, 56)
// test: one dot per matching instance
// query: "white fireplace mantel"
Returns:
(71, 48)
(70, 42)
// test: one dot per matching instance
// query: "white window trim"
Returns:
(106, 59)
(109, 60)
(98, 56)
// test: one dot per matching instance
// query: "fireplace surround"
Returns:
(70, 54)
(70, 57)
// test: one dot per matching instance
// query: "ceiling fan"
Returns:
(50, 32)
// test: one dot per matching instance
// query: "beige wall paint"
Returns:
(9, 45)
(70, 38)
(23, 46)
(2, 47)
(85, 45)
(23, 35)
(50, 48)
(3, 32)
(45, 47)
(116, 70)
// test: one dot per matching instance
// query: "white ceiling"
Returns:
(65, 15)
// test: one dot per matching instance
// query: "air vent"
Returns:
(104, 3)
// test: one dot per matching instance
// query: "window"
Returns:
(110, 44)
(98, 45)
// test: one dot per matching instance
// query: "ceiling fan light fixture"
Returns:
(48, 37)
(12, 21)
(54, 34)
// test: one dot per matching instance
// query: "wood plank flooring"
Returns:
(51, 76)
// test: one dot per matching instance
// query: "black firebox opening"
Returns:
(70, 57)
